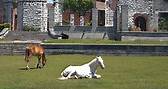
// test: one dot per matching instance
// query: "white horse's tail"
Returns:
(63, 76)
(65, 71)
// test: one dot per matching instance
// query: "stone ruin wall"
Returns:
(34, 13)
(142, 7)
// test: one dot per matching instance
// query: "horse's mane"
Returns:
(92, 61)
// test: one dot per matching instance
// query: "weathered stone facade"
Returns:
(143, 15)
(109, 13)
(58, 12)
(2, 11)
(32, 13)
(6, 7)
(140, 13)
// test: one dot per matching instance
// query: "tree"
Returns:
(14, 3)
(163, 24)
(78, 6)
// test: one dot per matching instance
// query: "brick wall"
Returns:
(66, 17)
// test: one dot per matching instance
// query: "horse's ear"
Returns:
(97, 56)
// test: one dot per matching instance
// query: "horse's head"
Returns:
(100, 61)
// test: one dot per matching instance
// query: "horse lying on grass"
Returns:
(35, 50)
(84, 71)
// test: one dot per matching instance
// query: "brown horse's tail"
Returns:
(44, 60)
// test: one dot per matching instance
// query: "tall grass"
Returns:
(121, 72)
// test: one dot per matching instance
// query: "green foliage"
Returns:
(79, 6)
(1, 27)
(30, 28)
(89, 23)
(66, 23)
(163, 24)
(14, 3)
(5, 25)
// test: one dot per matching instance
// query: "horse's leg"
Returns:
(70, 75)
(43, 59)
(37, 64)
(27, 62)
(27, 58)
(39, 61)
(96, 76)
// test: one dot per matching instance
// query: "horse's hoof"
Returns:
(62, 78)
(39, 67)
(27, 68)
(98, 76)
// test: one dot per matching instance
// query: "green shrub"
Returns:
(88, 23)
(5, 25)
(1, 26)
(163, 24)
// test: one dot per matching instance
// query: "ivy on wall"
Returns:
(163, 24)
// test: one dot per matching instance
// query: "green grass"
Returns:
(105, 41)
(121, 72)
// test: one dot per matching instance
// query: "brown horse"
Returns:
(35, 50)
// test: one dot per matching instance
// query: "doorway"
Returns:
(140, 22)
(101, 17)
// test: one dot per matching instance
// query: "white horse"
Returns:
(84, 71)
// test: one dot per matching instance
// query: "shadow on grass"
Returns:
(23, 68)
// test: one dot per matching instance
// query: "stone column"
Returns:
(58, 12)
(94, 16)
(109, 13)
(118, 19)
(156, 21)
(8, 6)
(94, 19)
(20, 15)
(51, 18)
(124, 17)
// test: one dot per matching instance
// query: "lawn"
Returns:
(121, 72)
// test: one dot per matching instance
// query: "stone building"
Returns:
(141, 15)
(58, 12)
(50, 21)
(32, 13)
(54, 14)
(101, 15)
(106, 10)
(144, 14)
